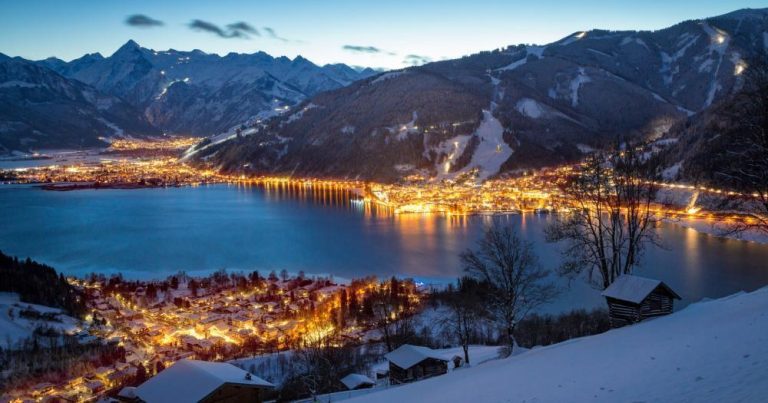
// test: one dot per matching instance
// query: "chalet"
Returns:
(632, 299)
(302, 292)
(94, 387)
(271, 306)
(202, 381)
(357, 381)
(411, 363)
(121, 376)
(42, 389)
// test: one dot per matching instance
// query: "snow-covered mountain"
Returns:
(519, 107)
(711, 351)
(203, 94)
(40, 109)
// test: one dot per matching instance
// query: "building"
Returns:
(411, 363)
(357, 381)
(632, 299)
(189, 381)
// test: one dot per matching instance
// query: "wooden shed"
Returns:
(632, 299)
(411, 363)
(357, 381)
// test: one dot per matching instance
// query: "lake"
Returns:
(150, 233)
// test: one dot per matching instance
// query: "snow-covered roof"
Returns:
(634, 289)
(128, 392)
(353, 381)
(192, 380)
(407, 355)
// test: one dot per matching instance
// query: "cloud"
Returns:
(240, 29)
(142, 21)
(272, 34)
(416, 60)
(244, 28)
(366, 49)
(204, 26)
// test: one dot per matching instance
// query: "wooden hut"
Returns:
(411, 363)
(357, 381)
(632, 299)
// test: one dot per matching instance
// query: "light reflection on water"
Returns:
(152, 232)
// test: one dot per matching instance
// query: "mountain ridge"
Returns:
(160, 92)
(228, 89)
(552, 103)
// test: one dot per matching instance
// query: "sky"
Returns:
(388, 34)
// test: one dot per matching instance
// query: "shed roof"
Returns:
(408, 355)
(635, 289)
(192, 380)
(353, 381)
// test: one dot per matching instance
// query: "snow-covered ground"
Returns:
(15, 329)
(273, 367)
(711, 351)
(477, 354)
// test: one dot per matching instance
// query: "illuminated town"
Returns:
(537, 191)
(221, 317)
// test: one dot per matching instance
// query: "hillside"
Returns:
(515, 108)
(711, 351)
(16, 325)
(39, 108)
(39, 284)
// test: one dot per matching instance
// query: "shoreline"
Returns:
(68, 187)
(711, 228)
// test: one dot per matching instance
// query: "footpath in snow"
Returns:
(711, 351)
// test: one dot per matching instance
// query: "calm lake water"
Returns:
(154, 232)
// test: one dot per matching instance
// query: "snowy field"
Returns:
(477, 354)
(14, 329)
(711, 351)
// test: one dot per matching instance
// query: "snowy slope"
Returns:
(15, 329)
(711, 351)
(42, 109)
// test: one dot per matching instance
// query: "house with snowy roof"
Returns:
(632, 299)
(189, 381)
(357, 381)
(410, 363)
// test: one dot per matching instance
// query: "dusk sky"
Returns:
(389, 34)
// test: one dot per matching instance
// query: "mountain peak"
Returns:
(127, 48)
(299, 60)
(131, 44)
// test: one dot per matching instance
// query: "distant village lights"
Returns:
(739, 68)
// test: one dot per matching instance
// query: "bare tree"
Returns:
(517, 282)
(743, 159)
(612, 220)
(320, 361)
(392, 313)
(466, 308)
(385, 315)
